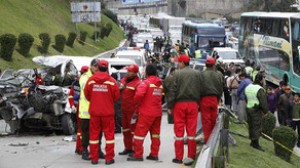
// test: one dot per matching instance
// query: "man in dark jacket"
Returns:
(257, 106)
(284, 106)
(167, 85)
(210, 92)
(183, 100)
(102, 91)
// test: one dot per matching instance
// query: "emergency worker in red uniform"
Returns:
(210, 94)
(102, 91)
(128, 86)
(149, 99)
(74, 104)
(183, 100)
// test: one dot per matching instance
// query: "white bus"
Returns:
(272, 40)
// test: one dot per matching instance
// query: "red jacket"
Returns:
(102, 91)
(149, 96)
(127, 103)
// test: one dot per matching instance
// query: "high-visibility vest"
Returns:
(248, 70)
(251, 94)
(254, 73)
(84, 104)
(187, 51)
(197, 54)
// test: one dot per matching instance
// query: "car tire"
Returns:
(67, 123)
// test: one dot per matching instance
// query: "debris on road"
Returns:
(19, 144)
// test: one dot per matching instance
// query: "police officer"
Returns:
(257, 106)
(149, 99)
(84, 111)
(102, 91)
(183, 100)
(128, 86)
(74, 104)
(210, 92)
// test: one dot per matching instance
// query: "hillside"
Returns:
(53, 17)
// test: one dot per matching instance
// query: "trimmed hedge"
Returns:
(25, 41)
(96, 35)
(71, 39)
(268, 124)
(103, 32)
(8, 42)
(287, 137)
(108, 28)
(82, 37)
(111, 15)
(60, 41)
(45, 42)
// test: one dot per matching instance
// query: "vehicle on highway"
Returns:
(25, 105)
(49, 100)
(271, 40)
(118, 66)
(203, 35)
(138, 55)
(199, 66)
(227, 55)
(6, 73)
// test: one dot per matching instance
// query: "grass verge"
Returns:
(245, 156)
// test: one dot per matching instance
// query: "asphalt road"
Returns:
(40, 151)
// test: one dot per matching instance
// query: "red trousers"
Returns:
(107, 125)
(209, 110)
(185, 115)
(128, 129)
(145, 124)
(79, 133)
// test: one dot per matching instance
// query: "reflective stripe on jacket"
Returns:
(102, 91)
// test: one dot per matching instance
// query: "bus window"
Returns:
(285, 28)
(274, 58)
(295, 31)
(269, 24)
(276, 28)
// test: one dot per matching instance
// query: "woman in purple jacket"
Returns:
(271, 100)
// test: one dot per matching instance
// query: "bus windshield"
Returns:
(209, 43)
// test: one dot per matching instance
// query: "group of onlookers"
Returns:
(281, 99)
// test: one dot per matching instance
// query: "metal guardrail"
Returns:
(215, 151)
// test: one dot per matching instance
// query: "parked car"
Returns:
(228, 55)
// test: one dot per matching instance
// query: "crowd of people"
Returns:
(187, 91)
(95, 92)
(238, 79)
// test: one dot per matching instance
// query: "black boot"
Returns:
(85, 154)
(255, 144)
(125, 152)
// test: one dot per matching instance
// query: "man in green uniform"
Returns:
(257, 106)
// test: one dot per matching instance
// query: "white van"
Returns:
(228, 55)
